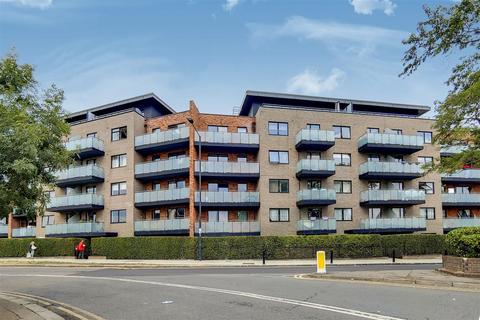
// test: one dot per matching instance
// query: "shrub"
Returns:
(48, 247)
(464, 242)
(413, 244)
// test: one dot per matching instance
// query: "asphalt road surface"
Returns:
(270, 293)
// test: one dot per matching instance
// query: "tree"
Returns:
(447, 30)
(31, 130)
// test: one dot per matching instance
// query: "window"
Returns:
(91, 189)
(156, 186)
(311, 126)
(425, 160)
(464, 213)
(279, 215)
(374, 185)
(343, 186)
(278, 185)
(394, 131)
(50, 194)
(119, 133)
(92, 135)
(374, 213)
(119, 160)
(342, 159)
(218, 216)
(314, 213)
(176, 126)
(428, 187)
(176, 155)
(118, 216)
(278, 128)
(342, 132)
(176, 184)
(218, 187)
(118, 188)
(176, 213)
(242, 158)
(156, 214)
(218, 157)
(47, 220)
(217, 129)
(314, 155)
(242, 130)
(395, 158)
(395, 185)
(343, 214)
(426, 136)
(154, 130)
(242, 187)
(278, 156)
(91, 162)
(374, 157)
(314, 184)
(242, 216)
(373, 130)
(427, 213)
(156, 157)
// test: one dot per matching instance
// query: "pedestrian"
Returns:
(31, 249)
(76, 251)
(81, 250)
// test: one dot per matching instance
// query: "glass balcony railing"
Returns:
(390, 167)
(393, 223)
(76, 200)
(162, 165)
(452, 223)
(316, 194)
(461, 198)
(466, 174)
(390, 139)
(229, 138)
(80, 172)
(3, 228)
(228, 167)
(84, 143)
(317, 225)
(28, 232)
(74, 228)
(161, 137)
(315, 136)
(161, 225)
(162, 195)
(452, 150)
(315, 165)
(228, 197)
(411, 195)
(230, 227)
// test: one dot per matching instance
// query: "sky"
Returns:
(212, 51)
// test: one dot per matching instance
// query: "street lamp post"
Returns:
(199, 189)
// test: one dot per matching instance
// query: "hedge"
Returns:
(464, 242)
(48, 247)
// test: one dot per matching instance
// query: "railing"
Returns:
(392, 195)
(464, 174)
(228, 167)
(393, 223)
(315, 165)
(78, 227)
(461, 198)
(228, 197)
(89, 170)
(390, 139)
(229, 137)
(315, 135)
(319, 224)
(162, 136)
(389, 167)
(84, 143)
(27, 232)
(453, 149)
(3, 228)
(76, 200)
(162, 225)
(162, 195)
(162, 165)
(452, 223)
(229, 227)
(316, 194)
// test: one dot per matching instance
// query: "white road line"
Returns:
(350, 312)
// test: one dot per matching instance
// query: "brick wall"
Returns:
(461, 266)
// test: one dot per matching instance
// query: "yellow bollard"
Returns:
(321, 266)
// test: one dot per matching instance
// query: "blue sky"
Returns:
(213, 51)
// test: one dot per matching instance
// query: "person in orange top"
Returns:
(81, 250)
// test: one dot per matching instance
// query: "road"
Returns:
(270, 293)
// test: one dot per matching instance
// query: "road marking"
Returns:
(350, 312)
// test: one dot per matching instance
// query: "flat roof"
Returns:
(286, 99)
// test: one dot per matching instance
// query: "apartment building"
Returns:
(285, 165)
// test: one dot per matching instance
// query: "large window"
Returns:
(342, 132)
(342, 159)
(218, 216)
(278, 185)
(176, 184)
(278, 128)
(176, 213)
(242, 187)
(92, 135)
(91, 189)
(373, 130)
(278, 156)
(313, 126)
(119, 133)
(242, 215)
(426, 136)
(119, 160)
(343, 214)
(394, 131)
(156, 214)
(343, 186)
(279, 215)
(218, 157)
(424, 160)
(314, 184)
(118, 188)
(217, 129)
(428, 187)
(47, 220)
(218, 187)
(118, 216)
(427, 213)
(242, 130)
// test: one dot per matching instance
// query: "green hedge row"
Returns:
(49, 247)
(464, 242)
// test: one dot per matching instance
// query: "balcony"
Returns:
(450, 151)
(391, 198)
(76, 202)
(453, 223)
(218, 199)
(463, 176)
(229, 228)
(152, 199)
(309, 168)
(230, 170)
(77, 176)
(80, 229)
(320, 226)
(389, 143)
(461, 199)
(162, 141)
(84, 148)
(316, 197)
(391, 225)
(314, 140)
(28, 232)
(389, 171)
(228, 141)
(162, 227)
(3, 230)
(163, 169)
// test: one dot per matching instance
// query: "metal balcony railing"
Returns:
(392, 195)
(390, 139)
(162, 195)
(228, 197)
(83, 199)
(162, 165)
(452, 223)
(161, 225)
(71, 228)
(28, 232)
(317, 225)
(390, 167)
(89, 170)
(393, 223)
(228, 167)
(315, 136)
(160, 137)
(228, 137)
(230, 227)
(315, 165)
(84, 143)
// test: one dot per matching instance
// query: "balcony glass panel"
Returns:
(453, 149)
(3, 228)
(162, 225)
(452, 223)
(24, 232)
(76, 200)
(316, 194)
(319, 224)
(162, 195)
(84, 143)
(315, 165)
(315, 135)
(229, 227)
(394, 223)
(80, 171)
(389, 167)
(464, 174)
(389, 195)
(390, 139)
(162, 165)
(67, 228)
(162, 136)
(461, 197)
(228, 197)
(228, 137)
(228, 167)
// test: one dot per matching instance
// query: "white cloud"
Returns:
(230, 4)
(311, 82)
(42, 4)
(368, 6)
